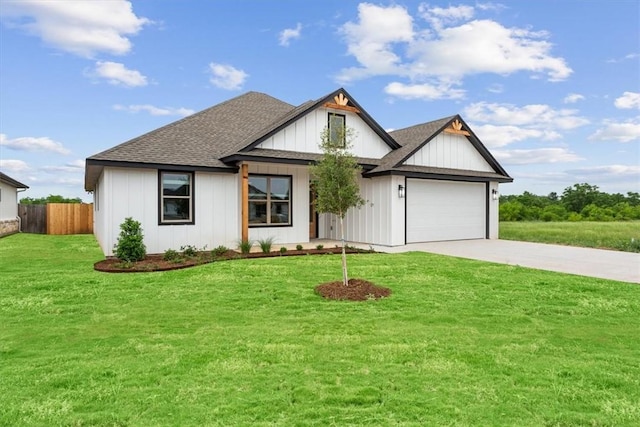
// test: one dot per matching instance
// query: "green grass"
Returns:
(248, 343)
(618, 235)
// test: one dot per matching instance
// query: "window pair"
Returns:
(269, 199)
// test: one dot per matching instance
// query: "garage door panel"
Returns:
(445, 210)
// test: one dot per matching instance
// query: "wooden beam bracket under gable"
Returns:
(456, 129)
(340, 103)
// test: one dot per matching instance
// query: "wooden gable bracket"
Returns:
(341, 102)
(456, 128)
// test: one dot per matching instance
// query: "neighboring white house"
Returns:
(240, 170)
(9, 220)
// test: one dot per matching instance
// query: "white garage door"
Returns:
(445, 210)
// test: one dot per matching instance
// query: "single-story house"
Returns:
(240, 170)
(9, 219)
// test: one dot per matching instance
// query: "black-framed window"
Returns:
(176, 197)
(337, 127)
(269, 200)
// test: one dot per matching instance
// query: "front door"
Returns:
(313, 216)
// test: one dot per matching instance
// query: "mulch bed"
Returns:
(156, 262)
(358, 289)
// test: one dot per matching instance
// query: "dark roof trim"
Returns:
(484, 151)
(309, 106)
(12, 182)
(240, 157)
(115, 164)
(422, 144)
(440, 176)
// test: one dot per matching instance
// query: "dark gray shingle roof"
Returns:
(12, 182)
(231, 130)
(202, 138)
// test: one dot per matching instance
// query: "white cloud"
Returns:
(499, 136)
(438, 16)
(536, 156)
(30, 143)
(608, 172)
(13, 165)
(423, 91)
(83, 28)
(227, 77)
(371, 40)
(533, 115)
(154, 111)
(77, 166)
(572, 98)
(628, 100)
(117, 74)
(386, 41)
(617, 131)
(289, 34)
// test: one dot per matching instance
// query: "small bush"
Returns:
(171, 255)
(245, 246)
(189, 250)
(219, 251)
(265, 244)
(298, 247)
(130, 246)
(320, 247)
(283, 250)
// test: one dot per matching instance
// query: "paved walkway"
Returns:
(605, 264)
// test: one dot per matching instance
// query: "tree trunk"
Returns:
(345, 279)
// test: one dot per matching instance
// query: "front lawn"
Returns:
(248, 343)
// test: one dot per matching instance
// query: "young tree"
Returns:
(335, 179)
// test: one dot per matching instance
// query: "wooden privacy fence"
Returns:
(57, 218)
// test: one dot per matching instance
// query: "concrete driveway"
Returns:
(605, 264)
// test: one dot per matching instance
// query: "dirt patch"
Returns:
(358, 290)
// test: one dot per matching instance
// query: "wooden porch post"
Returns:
(245, 202)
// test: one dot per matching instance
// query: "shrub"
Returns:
(171, 255)
(219, 251)
(320, 247)
(283, 249)
(189, 250)
(245, 246)
(130, 246)
(266, 243)
(298, 247)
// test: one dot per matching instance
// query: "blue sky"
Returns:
(552, 88)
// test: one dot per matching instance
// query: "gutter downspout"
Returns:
(19, 219)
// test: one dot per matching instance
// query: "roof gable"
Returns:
(414, 138)
(303, 135)
(326, 101)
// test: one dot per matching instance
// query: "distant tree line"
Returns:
(580, 202)
(51, 198)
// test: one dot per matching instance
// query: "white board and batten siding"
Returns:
(304, 135)
(299, 230)
(380, 221)
(450, 151)
(8, 202)
(216, 199)
(445, 210)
